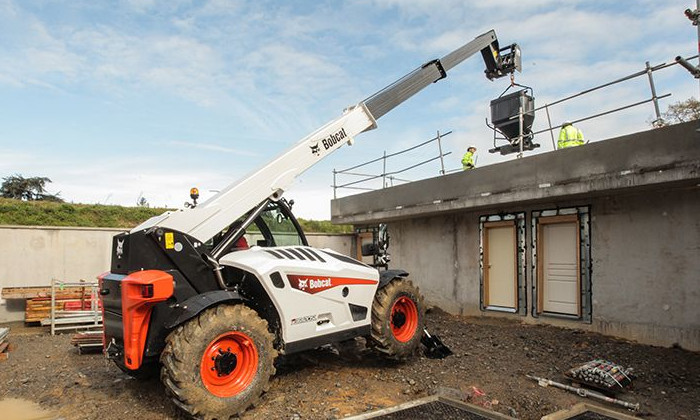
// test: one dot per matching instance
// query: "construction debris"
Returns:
(81, 314)
(87, 341)
(30, 292)
(603, 375)
(4, 344)
(38, 299)
(583, 392)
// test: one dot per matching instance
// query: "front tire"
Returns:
(218, 364)
(398, 319)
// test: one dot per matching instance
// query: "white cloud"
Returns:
(239, 81)
(212, 147)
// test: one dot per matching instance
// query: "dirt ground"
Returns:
(490, 357)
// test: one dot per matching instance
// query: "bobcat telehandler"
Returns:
(186, 294)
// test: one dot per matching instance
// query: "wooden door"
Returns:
(500, 265)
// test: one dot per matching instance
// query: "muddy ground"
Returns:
(491, 356)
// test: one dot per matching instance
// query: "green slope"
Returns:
(41, 213)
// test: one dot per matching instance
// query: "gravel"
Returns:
(491, 358)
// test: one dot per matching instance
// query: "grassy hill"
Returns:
(42, 213)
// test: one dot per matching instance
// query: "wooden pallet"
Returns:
(40, 308)
(30, 292)
(4, 343)
(87, 341)
(38, 299)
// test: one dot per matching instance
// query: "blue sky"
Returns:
(117, 100)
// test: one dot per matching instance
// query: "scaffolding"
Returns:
(87, 316)
(388, 178)
(521, 120)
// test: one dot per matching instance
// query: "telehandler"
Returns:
(188, 295)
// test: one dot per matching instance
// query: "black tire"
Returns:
(398, 319)
(186, 371)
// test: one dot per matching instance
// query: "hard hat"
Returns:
(567, 122)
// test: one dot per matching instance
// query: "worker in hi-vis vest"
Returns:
(468, 159)
(569, 136)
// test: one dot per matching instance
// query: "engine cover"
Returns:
(317, 292)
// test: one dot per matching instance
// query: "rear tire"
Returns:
(218, 364)
(398, 319)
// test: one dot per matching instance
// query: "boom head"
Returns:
(500, 62)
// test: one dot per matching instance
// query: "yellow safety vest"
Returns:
(468, 161)
(570, 136)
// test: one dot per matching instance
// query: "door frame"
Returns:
(540, 218)
(487, 226)
(517, 221)
(554, 220)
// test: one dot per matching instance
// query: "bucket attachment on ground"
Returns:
(434, 347)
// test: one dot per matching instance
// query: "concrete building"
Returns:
(603, 237)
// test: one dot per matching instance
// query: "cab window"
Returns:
(277, 228)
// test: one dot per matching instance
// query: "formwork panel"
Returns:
(435, 407)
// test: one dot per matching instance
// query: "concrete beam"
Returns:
(661, 158)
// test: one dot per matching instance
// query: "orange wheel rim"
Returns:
(404, 319)
(229, 364)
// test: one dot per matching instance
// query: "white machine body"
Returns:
(318, 295)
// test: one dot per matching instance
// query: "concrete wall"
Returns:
(645, 264)
(643, 190)
(646, 267)
(32, 256)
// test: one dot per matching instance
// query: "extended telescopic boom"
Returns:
(270, 181)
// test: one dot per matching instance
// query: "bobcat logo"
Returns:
(303, 284)
(120, 248)
(315, 149)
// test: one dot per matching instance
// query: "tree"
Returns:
(142, 202)
(684, 111)
(27, 189)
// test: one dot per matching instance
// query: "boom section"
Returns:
(270, 181)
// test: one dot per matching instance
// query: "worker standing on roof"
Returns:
(569, 136)
(468, 159)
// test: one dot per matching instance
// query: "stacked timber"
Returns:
(87, 341)
(84, 313)
(4, 343)
(38, 300)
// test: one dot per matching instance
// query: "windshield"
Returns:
(276, 228)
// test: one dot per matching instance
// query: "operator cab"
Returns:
(270, 224)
